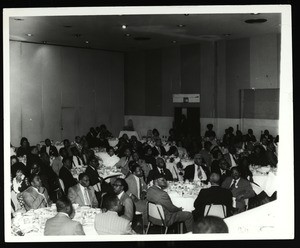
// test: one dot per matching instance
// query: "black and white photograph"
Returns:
(148, 123)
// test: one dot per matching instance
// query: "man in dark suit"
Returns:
(100, 186)
(82, 193)
(158, 149)
(160, 169)
(241, 189)
(49, 149)
(65, 174)
(173, 214)
(213, 195)
(62, 223)
(221, 168)
(196, 171)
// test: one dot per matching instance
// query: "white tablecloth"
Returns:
(257, 220)
(32, 223)
(184, 194)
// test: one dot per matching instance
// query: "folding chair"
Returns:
(156, 216)
(215, 210)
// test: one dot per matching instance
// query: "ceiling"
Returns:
(145, 31)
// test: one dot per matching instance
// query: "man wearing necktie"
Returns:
(197, 171)
(241, 188)
(161, 169)
(82, 193)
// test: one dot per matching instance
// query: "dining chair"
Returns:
(156, 216)
(215, 210)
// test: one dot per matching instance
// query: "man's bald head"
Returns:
(214, 178)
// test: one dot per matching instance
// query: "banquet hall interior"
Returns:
(159, 117)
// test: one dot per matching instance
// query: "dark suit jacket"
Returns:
(161, 197)
(51, 150)
(189, 172)
(152, 174)
(215, 195)
(95, 178)
(243, 188)
(216, 169)
(155, 151)
(67, 177)
(61, 224)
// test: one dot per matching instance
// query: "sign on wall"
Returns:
(186, 98)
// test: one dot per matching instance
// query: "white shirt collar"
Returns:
(62, 213)
(120, 195)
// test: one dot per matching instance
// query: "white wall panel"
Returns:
(46, 79)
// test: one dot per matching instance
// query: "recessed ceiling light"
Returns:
(18, 19)
(181, 25)
(127, 35)
(87, 42)
(174, 41)
(251, 21)
(124, 26)
(44, 42)
(29, 35)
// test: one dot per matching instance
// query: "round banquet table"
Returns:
(184, 194)
(32, 223)
(103, 172)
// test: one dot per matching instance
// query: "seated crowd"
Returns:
(41, 175)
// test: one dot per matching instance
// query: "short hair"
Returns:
(74, 149)
(110, 201)
(23, 139)
(209, 126)
(214, 178)
(14, 157)
(207, 144)
(109, 148)
(62, 203)
(133, 166)
(66, 159)
(82, 175)
(32, 177)
(235, 168)
(123, 183)
(210, 224)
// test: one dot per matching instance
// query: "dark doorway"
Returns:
(187, 122)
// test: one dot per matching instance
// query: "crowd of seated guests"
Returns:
(224, 163)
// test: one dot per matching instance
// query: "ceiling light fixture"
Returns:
(181, 25)
(127, 35)
(124, 26)
(18, 19)
(174, 41)
(29, 35)
(87, 42)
